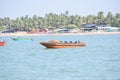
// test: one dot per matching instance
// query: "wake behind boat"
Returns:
(21, 39)
(60, 44)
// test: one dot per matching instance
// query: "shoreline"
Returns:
(47, 34)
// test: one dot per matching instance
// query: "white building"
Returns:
(108, 29)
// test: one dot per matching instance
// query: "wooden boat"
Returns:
(60, 44)
(21, 39)
(2, 43)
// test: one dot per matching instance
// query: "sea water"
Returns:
(99, 60)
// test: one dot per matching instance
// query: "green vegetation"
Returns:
(54, 21)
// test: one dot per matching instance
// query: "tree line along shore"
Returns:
(52, 21)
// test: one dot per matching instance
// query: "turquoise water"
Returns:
(99, 60)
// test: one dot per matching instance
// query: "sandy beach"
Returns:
(41, 34)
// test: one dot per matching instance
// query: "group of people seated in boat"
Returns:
(57, 41)
(70, 42)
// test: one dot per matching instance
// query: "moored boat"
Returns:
(21, 39)
(2, 43)
(60, 44)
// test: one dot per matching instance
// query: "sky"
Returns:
(18, 8)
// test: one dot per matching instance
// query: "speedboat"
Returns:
(61, 44)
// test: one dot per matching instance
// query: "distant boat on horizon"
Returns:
(21, 39)
(2, 43)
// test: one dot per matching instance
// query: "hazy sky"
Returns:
(18, 8)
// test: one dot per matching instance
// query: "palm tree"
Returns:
(100, 17)
(109, 18)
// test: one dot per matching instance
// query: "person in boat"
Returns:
(61, 41)
(65, 41)
(75, 41)
(78, 41)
